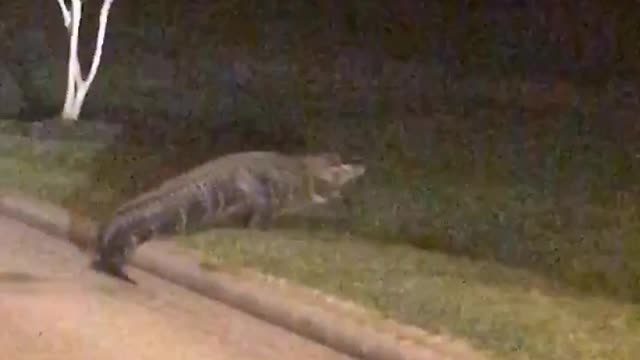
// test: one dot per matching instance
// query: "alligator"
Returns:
(252, 188)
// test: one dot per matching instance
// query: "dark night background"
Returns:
(497, 130)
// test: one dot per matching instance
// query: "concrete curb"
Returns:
(167, 261)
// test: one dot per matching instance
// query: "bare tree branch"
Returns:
(66, 16)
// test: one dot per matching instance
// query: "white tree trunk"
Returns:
(72, 22)
(77, 87)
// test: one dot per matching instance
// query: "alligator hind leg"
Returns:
(115, 270)
(261, 214)
(112, 258)
(256, 209)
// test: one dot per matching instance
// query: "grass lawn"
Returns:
(493, 297)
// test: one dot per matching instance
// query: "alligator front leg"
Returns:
(260, 219)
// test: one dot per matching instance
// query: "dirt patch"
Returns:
(67, 320)
(75, 313)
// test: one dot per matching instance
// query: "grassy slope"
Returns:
(516, 313)
(505, 310)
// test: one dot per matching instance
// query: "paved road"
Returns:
(53, 307)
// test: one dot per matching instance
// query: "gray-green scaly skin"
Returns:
(251, 187)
